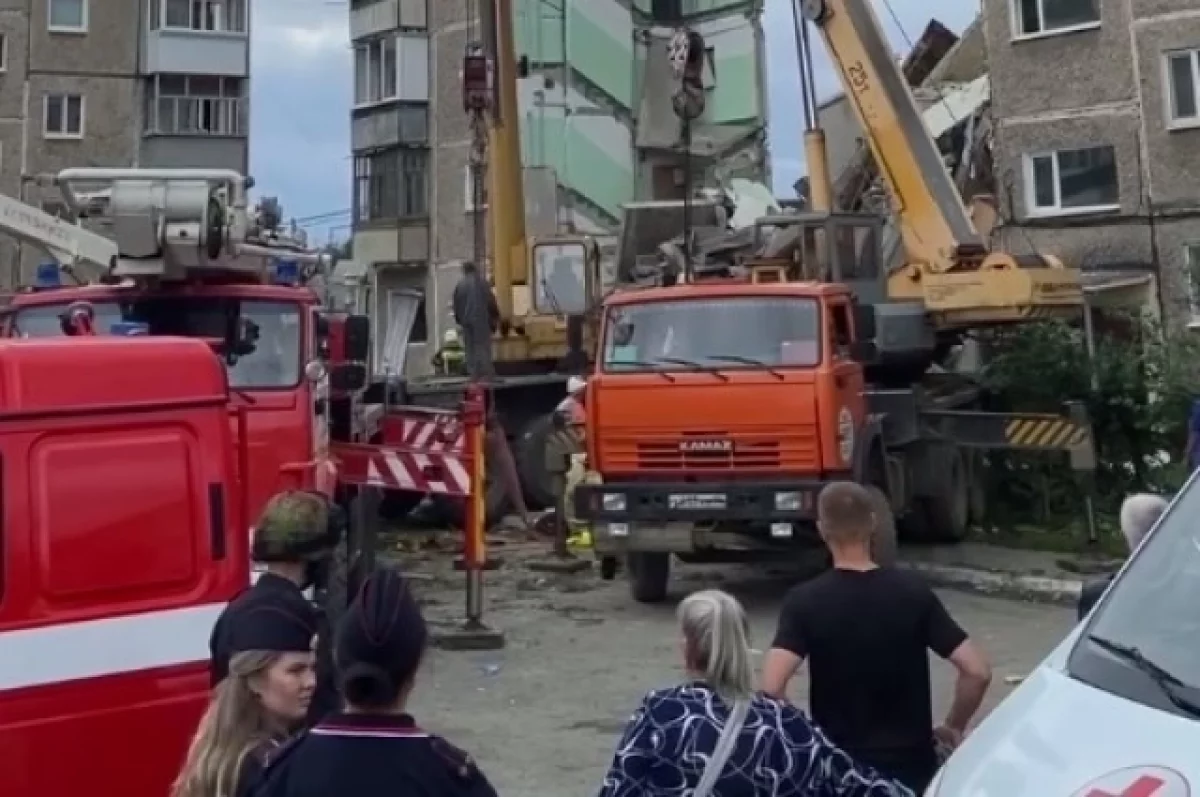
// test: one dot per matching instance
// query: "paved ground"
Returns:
(543, 714)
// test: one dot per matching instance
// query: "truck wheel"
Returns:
(946, 516)
(884, 546)
(648, 576)
(530, 453)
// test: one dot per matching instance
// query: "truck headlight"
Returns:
(787, 502)
(613, 502)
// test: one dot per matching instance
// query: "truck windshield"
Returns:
(1141, 641)
(727, 333)
(273, 362)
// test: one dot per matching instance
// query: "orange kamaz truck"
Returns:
(719, 408)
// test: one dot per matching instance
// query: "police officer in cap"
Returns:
(294, 541)
(375, 748)
(259, 704)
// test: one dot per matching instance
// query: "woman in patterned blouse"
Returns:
(777, 752)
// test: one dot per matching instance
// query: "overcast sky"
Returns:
(301, 88)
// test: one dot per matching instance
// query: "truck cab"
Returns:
(120, 543)
(266, 335)
(716, 413)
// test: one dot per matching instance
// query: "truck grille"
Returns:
(764, 452)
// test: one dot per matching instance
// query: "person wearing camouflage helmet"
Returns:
(293, 544)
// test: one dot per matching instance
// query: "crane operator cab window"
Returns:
(722, 333)
(260, 340)
(560, 273)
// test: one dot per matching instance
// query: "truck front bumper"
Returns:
(688, 517)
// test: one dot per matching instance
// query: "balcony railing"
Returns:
(199, 116)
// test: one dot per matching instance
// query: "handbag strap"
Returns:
(724, 749)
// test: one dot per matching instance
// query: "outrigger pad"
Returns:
(469, 636)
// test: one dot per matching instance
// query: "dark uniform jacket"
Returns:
(363, 755)
(276, 590)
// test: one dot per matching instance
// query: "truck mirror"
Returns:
(864, 321)
(358, 338)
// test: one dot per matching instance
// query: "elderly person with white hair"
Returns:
(715, 736)
(1139, 513)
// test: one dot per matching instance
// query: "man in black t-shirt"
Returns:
(866, 631)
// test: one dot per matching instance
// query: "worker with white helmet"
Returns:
(451, 358)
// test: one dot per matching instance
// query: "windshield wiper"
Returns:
(651, 367)
(1167, 682)
(734, 358)
(695, 366)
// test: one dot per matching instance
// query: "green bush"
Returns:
(1138, 389)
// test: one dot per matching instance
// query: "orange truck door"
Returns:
(846, 405)
(120, 543)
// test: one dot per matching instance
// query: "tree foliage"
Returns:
(1138, 388)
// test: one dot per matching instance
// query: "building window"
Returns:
(1191, 269)
(62, 116)
(219, 16)
(469, 203)
(69, 16)
(391, 184)
(1033, 17)
(1072, 181)
(195, 105)
(3, 52)
(1183, 88)
(395, 67)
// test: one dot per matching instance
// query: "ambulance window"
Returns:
(1147, 624)
(119, 516)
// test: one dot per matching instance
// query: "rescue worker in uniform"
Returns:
(261, 701)
(294, 541)
(375, 748)
(450, 359)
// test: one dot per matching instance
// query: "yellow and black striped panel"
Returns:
(1048, 433)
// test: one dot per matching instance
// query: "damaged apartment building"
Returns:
(1081, 119)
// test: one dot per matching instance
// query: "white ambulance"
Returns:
(1114, 711)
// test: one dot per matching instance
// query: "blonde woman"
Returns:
(715, 736)
(258, 705)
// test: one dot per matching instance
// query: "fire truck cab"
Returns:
(121, 540)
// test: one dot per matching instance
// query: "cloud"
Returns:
(903, 21)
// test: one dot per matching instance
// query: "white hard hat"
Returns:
(450, 338)
(575, 385)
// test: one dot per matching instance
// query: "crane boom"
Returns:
(948, 268)
(934, 223)
(70, 244)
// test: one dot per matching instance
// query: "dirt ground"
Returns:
(542, 715)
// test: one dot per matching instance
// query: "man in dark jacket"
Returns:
(1139, 513)
(478, 315)
(294, 539)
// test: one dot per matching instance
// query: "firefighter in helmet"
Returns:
(451, 358)
(374, 748)
(293, 544)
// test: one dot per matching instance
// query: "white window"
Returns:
(195, 105)
(68, 15)
(1072, 181)
(63, 116)
(392, 68)
(222, 16)
(469, 204)
(1038, 17)
(1183, 88)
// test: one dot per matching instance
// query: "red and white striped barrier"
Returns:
(423, 451)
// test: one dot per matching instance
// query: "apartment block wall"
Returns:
(1102, 83)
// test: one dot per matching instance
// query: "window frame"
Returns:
(1181, 123)
(1015, 20)
(1191, 273)
(396, 159)
(1032, 210)
(63, 135)
(375, 90)
(81, 28)
(3, 52)
(469, 205)
(232, 104)
(228, 14)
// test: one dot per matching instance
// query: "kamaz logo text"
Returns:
(706, 446)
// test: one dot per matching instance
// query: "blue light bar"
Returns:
(286, 272)
(48, 275)
(129, 329)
